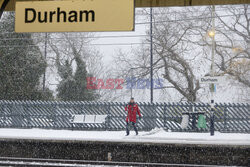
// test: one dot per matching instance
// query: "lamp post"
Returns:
(132, 83)
(212, 86)
(45, 57)
(151, 57)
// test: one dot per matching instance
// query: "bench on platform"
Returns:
(88, 119)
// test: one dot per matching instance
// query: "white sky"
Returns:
(108, 51)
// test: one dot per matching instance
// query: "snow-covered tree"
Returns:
(21, 64)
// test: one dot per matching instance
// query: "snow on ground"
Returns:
(155, 136)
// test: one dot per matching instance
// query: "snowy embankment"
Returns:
(155, 136)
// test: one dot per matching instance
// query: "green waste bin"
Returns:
(202, 121)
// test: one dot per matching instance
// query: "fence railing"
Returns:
(58, 115)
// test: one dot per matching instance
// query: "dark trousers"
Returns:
(128, 127)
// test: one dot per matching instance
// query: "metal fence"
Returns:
(58, 115)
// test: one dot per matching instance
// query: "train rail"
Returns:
(33, 162)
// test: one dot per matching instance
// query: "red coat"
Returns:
(132, 110)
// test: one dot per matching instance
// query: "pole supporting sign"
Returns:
(3, 4)
(75, 16)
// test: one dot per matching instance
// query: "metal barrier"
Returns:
(58, 115)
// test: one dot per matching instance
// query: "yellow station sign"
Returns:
(75, 16)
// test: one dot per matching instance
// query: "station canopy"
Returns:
(155, 3)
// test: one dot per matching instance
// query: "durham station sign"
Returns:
(78, 15)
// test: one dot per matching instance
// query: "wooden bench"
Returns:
(88, 119)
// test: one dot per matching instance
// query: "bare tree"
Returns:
(232, 41)
(65, 46)
(173, 58)
(235, 55)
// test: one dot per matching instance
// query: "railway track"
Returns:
(34, 162)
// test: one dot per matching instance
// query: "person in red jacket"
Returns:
(132, 109)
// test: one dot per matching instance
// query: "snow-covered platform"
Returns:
(154, 136)
(156, 146)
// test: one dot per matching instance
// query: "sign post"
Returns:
(3, 4)
(212, 81)
(75, 16)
